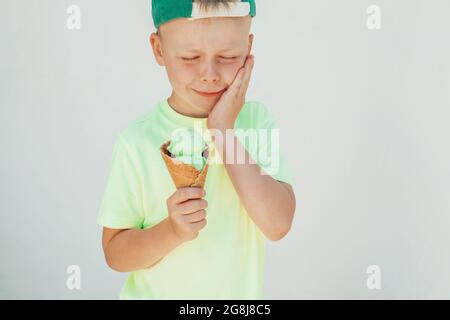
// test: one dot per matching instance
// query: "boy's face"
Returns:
(202, 56)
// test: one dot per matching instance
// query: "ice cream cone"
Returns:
(184, 175)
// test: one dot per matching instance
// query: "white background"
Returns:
(364, 120)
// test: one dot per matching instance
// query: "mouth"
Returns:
(209, 94)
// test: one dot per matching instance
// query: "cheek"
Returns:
(230, 71)
(180, 74)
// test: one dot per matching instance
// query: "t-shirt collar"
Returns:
(179, 118)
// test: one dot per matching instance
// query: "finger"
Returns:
(247, 76)
(235, 86)
(187, 193)
(191, 206)
(196, 216)
(248, 73)
(200, 224)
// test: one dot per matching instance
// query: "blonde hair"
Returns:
(206, 5)
(213, 4)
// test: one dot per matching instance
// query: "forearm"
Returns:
(137, 249)
(270, 203)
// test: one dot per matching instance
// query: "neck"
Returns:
(183, 107)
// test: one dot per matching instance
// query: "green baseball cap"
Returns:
(165, 10)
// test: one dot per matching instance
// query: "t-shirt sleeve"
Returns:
(121, 205)
(269, 154)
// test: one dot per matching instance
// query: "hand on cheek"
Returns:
(226, 110)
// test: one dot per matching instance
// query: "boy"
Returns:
(189, 243)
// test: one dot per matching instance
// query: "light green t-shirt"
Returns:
(226, 260)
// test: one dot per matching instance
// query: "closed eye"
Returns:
(195, 58)
(189, 59)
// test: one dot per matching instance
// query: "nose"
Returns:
(209, 73)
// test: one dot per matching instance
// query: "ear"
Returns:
(155, 41)
(250, 42)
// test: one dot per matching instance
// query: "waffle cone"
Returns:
(183, 175)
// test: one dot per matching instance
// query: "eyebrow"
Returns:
(230, 48)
